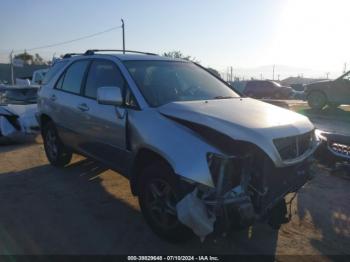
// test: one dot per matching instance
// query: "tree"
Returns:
(178, 54)
(30, 59)
(27, 58)
(214, 71)
(38, 60)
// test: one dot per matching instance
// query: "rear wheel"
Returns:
(316, 100)
(56, 152)
(158, 196)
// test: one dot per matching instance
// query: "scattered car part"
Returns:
(17, 114)
(192, 212)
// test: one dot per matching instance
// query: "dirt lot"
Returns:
(86, 209)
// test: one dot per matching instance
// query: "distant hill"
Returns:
(298, 81)
(281, 72)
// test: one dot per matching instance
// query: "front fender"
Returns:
(182, 148)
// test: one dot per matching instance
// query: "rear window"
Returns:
(53, 71)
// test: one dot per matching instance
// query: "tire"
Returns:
(317, 100)
(158, 195)
(57, 154)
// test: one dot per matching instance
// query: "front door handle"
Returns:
(83, 107)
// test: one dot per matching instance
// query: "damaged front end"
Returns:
(17, 127)
(247, 188)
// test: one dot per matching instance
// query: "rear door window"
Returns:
(102, 73)
(73, 77)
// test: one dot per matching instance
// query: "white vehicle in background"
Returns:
(18, 106)
(37, 79)
(38, 76)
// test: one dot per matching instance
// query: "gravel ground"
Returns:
(86, 209)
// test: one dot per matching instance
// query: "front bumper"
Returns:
(257, 195)
(242, 207)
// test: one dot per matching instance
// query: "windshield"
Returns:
(162, 82)
(19, 96)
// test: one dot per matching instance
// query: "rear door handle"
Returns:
(83, 107)
(53, 97)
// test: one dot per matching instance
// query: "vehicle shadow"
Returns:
(329, 213)
(87, 209)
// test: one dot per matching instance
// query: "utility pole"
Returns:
(344, 68)
(231, 73)
(273, 72)
(123, 29)
(11, 65)
(327, 74)
(261, 77)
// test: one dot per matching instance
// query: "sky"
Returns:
(309, 37)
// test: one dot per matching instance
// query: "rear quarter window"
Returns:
(54, 70)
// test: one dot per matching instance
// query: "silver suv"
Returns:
(200, 157)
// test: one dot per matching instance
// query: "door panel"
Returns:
(102, 128)
(66, 95)
(103, 133)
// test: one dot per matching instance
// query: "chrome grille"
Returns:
(293, 146)
(341, 149)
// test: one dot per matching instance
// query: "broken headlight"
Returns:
(225, 171)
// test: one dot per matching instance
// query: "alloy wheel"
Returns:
(161, 203)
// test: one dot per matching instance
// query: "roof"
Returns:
(128, 56)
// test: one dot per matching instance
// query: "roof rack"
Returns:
(93, 51)
(68, 55)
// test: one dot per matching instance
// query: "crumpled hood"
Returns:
(243, 119)
(20, 110)
(25, 114)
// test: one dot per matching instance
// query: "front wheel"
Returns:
(316, 100)
(57, 154)
(158, 196)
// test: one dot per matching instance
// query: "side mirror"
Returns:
(110, 95)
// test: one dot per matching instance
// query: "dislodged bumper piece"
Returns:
(220, 209)
(193, 212)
